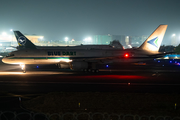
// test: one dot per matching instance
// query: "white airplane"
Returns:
(85, 59)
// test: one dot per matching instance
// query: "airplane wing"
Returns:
(98, 60)
(160, 54)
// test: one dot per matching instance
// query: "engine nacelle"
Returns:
(63, 66)
(79, 65)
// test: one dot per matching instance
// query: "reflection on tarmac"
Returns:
(33, 73)
(126, 79)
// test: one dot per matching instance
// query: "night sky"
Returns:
(56, 19)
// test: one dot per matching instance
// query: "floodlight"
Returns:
(173, 35)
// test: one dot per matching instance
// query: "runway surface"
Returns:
(139, 79)
(16, 86)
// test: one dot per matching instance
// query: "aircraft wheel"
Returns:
(92, 70)
(96, 70)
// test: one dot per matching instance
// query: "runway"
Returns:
(71, 82)
(139, 79)
(16, 85)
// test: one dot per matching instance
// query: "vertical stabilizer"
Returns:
(23, 42)
(153, 42)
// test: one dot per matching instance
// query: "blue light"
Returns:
(107, 66)
(37, 66)
(158, 60)
(170, 61)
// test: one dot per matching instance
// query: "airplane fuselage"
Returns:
(55, 56)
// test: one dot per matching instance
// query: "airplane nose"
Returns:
(4, 60)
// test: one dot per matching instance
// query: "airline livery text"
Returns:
(58, 53)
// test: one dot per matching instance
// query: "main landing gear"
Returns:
(91, 70)
(23, 67)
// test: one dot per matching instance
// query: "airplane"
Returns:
(29, 45)
(86, 59)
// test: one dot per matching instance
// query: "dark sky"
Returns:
(56, 19)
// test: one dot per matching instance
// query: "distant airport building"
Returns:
(120, 38)
(127, 40)
(4, 39)
(102, 39)
(106, 39)
(174, 40)
(4, 43)
(136, 41)
(34, 38)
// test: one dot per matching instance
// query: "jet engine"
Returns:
(63, 66)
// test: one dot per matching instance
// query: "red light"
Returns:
(126, 55)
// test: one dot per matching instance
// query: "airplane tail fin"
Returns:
(153, 42)
(23, 42)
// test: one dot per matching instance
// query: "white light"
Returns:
(173, 35)
(22, 66)
(9, 36)
(1, 56)
(4, 34)
(66, 38)
(65, 60)
(166, 57)
(89, 38)
(41, 38)
(11, 30)
(129, 46)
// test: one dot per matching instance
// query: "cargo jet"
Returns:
(78, 59)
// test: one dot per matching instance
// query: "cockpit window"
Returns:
(10, 55)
